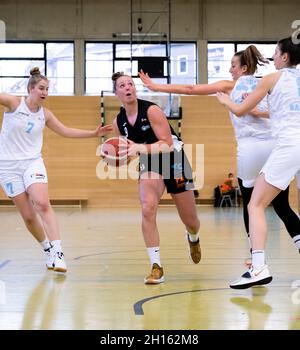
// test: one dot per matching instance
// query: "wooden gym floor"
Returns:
(107, 261)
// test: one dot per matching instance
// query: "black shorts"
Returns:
(174, 167)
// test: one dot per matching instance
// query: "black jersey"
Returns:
(141, 131)
(174, 166)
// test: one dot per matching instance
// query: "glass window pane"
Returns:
(94, 86)
(60, 59)
(186, 80)
(60, 67)
(14, 85)
(99, 69)
(19, 67)
(61, 86)
(15, 50)
(183, 63)
(219, 61)
(125, 66)
(102, 66)
(98, 52)
(138, 50)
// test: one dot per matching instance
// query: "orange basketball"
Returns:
(114, 151)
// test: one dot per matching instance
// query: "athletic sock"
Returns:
(46, 244)
(193, 237)
(154, 255)
(258, 258)
(296, 240)
(57, 245)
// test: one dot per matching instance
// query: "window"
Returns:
(182, 67)
(98, 67)
(220, 54)
(55, 60)
(218, 61)
(102, 59)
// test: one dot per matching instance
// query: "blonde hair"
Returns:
(35, 78)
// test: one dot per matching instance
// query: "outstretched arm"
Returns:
(55, 125)
(263, 87)
(198, 89)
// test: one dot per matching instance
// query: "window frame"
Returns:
(235, 45)
(42, 59)
(115, 58)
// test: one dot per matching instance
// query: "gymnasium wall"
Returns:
(72, 163)
(190, 19)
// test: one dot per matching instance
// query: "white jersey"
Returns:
(284, 107)
(248, 126)
(21, 135)
(298, 180)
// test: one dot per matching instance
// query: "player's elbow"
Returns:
(239, 113)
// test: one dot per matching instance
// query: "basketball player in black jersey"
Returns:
(163, 164)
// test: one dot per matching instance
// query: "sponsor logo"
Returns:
(145, 127)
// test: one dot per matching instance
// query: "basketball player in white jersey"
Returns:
(23, 176)
(252, 131)
(283, 90)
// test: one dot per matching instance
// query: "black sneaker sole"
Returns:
(252, 284)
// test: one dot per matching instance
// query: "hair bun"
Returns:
(35, 71)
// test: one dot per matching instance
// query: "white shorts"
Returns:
(17, 176)
(282, 165)
(252, 154)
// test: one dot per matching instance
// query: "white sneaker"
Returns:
(59, 264)
(253, 277)
(50, 256)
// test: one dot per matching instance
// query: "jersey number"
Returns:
(9, 188)
(29, 127)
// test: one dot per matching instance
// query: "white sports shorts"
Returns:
(252, 154)
(17, 176)
(282, 165)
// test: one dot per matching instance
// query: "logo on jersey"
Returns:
(26, 114)
(295, 107)
(145, 127)
(125, 129)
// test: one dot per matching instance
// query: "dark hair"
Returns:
(115, 77)
(35, 77)
(286, 45)
(251, 57)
